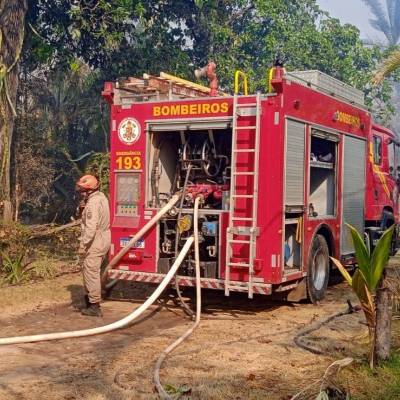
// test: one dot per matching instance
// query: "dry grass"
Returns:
(242, 349)
(24, 298)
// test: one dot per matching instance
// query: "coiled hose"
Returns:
(161, 391)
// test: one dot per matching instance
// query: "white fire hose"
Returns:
(137, 312)
(161, 391)
(115, 325)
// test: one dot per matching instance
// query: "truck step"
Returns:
(238, 288)
(246, 105)
(244, 150)
(242, 265)
(243, 173)
(245, 127)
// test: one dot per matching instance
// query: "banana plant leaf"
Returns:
(380, 257)
(362, 254)
(364, 295)
(343, 271)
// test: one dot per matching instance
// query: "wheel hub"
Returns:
(319, 269)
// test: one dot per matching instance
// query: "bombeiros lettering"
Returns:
(348, 119)
(190, 109)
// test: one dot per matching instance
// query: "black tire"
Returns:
(395, 242)
(388, 217)
(318, 269)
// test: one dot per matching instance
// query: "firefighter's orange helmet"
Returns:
(87, 183)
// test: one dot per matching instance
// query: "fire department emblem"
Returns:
(129, 131)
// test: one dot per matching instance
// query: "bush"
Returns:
(13, 252)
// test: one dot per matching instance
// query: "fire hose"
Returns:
(161, 391)
(177, 236)
(138, 311)
(115, 325)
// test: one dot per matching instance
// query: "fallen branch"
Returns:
(55, 230)
(326, 382)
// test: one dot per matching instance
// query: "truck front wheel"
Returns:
(318, 269)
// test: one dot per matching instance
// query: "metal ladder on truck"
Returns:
(236, 226)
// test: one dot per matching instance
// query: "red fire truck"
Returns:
(280, 174)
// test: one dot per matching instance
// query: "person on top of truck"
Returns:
(95, 240)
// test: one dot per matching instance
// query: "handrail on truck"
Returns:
(241, 74)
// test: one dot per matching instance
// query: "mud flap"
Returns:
(299, 292)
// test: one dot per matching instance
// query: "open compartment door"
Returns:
(353, 192)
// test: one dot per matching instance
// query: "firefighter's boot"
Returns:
(93, 310)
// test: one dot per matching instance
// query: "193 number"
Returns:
(128, 162)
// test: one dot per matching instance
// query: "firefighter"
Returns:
(95, 240)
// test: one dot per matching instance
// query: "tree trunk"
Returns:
(12, 21)
(383, 328)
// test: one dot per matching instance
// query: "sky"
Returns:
(354, 12)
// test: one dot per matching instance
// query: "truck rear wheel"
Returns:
(318, 269)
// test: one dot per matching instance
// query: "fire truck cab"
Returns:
(279, 174)
(383, 171)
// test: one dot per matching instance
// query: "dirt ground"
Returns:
(242, 349)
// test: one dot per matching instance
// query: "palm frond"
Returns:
(391, 7)
(381, 22)
(396, 21)
(389, 65)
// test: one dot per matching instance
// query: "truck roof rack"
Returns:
(326, 84)
(163, 87)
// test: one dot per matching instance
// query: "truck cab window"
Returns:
(397, 157)
(377, 150)
(392, 159)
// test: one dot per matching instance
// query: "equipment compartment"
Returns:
(322, 176)
(194, 161)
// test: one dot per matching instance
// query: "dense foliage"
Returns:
(72, 47)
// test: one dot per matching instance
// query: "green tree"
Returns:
(53, 35)
(249, 35)
(129, 37)
(12, 15)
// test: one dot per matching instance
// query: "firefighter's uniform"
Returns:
(95, 242)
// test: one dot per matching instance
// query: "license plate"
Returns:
(123, 242)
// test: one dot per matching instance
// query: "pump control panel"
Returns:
(128, 194)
